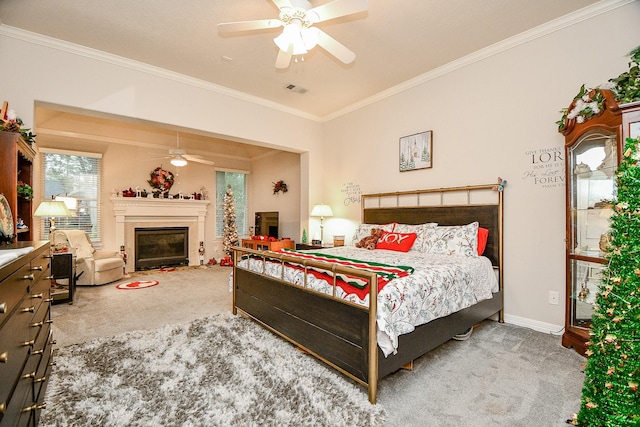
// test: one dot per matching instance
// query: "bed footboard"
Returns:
(340, 338)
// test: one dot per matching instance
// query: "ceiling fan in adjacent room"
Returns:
(299, 34)
(178, 157)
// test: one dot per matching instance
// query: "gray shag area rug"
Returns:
(219, 371)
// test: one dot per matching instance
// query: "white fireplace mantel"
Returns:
(141, 210)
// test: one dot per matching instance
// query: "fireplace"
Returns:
(161, 247)
(141, 212)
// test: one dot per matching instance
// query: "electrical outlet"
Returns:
(553, 298)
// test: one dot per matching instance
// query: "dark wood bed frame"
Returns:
(343, 334)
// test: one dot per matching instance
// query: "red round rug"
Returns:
(140, 284)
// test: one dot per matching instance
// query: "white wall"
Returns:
(264, 173)
(493, 118)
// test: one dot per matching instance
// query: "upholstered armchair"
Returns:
(93, 267)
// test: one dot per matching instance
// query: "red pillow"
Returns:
(483, 235)
(401, 242)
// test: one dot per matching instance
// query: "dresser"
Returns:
(25, 332)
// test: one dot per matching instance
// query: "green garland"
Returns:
(589, 102)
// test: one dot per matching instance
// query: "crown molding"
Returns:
(98, 55)
(583, 14)
(495, 49)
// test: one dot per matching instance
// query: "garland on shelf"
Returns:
(10, 122)
(591, 102)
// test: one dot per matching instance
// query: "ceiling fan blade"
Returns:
(335, 48)
(284, 58)
(336, 9)
(197, 159)
(260, 24)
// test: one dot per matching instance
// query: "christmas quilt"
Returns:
(414, 288)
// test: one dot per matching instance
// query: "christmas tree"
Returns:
(610, 395)
(230, 232)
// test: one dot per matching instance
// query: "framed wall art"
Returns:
(416, 151)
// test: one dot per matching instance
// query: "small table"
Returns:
(63, 268)
(266, 245)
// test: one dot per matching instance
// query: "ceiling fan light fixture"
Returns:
(178, 162)
(291, 37)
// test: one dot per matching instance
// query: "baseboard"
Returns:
(547, 328)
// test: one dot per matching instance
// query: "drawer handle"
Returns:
(31, 309)
(37, 324)
(3, 307)
(34, 407)
(3, 407)
(28, 343)
(48, 300)
(36, 296)
(33, 353)
(48, 321)
(29, 277)
(50, 277)
(4, 357)
(36, 268)
(40, 380)
(29, 375)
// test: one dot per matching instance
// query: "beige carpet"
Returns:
(503, 375)
(181, 296)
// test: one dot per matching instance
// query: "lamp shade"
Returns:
(71, 202)
(52, 208)
(321, 210)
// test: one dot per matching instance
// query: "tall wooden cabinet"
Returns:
(593, 150)
(17, 157)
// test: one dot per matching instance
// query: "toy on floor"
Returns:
(226, 262)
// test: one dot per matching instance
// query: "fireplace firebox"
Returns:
(161, 247)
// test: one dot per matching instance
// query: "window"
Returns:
(239, 187)
(76, 175)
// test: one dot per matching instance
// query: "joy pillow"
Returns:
(400, 242)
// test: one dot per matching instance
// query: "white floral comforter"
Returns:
(440, 285)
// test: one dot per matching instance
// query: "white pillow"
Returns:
(364, 230)
(452, 240)
(419, 229)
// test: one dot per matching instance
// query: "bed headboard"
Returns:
(432, 205)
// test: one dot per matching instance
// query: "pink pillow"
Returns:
(483, 235)
(400, 242)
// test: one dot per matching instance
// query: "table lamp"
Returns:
(322, 211)
(52, 208)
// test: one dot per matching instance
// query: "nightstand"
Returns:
(63, 268)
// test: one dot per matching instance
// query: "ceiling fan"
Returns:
(179, 157)
(299, 34)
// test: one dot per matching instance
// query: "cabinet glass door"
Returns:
(585, 281)
(593, 161)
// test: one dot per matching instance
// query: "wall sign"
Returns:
(352, 193)
(545, 167)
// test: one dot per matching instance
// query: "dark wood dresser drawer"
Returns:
(12, 291)
(25, 334)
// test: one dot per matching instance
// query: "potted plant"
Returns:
(25, 191)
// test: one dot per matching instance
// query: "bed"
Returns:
(346, 332)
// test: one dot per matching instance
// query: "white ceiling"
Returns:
(394, 41)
